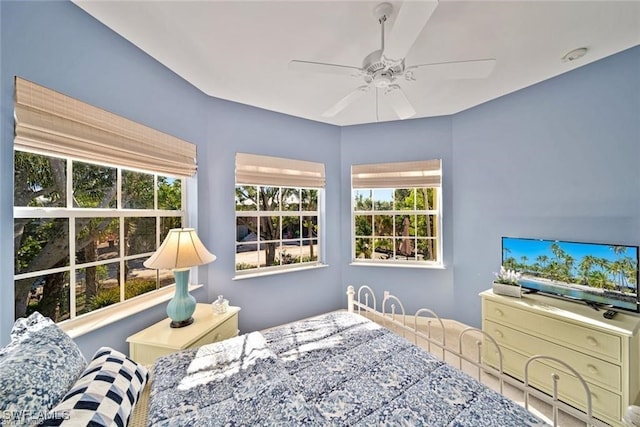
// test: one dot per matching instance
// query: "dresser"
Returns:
(160, 339)
(606, 352)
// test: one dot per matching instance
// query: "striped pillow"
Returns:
(104, 395)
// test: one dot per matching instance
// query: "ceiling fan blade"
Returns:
(399, 102)
(321, 67)
(411, 19)
(346, 101)
(476, 69)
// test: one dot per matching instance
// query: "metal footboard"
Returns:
(426, 329)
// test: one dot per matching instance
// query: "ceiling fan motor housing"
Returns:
(379, 71)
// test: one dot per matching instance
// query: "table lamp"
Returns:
(181, 250)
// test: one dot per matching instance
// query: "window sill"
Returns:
(97, 319)
(278, 271)
(398, 265)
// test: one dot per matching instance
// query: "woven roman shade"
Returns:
(425, 173)
(254, 169)
(51, 123)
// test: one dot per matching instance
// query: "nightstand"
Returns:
(160, 339)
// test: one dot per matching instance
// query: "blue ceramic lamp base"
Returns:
(182, 305)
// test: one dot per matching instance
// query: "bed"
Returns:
(355, 367)
(367, 365)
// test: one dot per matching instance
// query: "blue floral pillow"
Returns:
(37, 368)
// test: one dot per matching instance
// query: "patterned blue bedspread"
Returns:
(335, 369)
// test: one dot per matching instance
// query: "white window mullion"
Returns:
(72, 267)
(69, 184)
(119, 188)
(72, 241)
(40, 273)
(321, 226)
(156, 183)
(122, 262)
(122, 259)
(156, 187)
(439, 215)
(30, 212)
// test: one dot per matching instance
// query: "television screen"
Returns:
(599, 274)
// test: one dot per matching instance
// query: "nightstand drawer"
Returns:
(228, 329)
(147, 354)
(589, 341)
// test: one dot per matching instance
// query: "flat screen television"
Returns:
(599, 274)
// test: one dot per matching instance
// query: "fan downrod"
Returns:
(382, 11)
(376, 68)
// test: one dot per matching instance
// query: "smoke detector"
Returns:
(575, 54)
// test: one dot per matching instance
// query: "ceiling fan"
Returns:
(384, 68)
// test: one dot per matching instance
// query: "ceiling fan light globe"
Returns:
(382, 80)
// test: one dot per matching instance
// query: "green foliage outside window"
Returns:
(43, 242)
(396, 224)
(275, 226)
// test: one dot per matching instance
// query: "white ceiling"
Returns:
(239, 50)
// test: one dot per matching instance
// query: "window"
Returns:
(92, 201)
(396, 211)
(278, 213)
(96, 236)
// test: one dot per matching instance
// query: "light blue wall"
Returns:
(402, 141)
(557, 160)
(272, 300)
(59, 46)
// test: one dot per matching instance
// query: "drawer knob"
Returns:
(592, 341)
(499, 312)
(592, 369)
(498, 334)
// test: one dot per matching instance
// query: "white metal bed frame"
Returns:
(397, 317)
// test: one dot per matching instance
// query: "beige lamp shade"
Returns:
(181, 249)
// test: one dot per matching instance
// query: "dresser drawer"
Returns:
(605, 404)
(589, 341)
(594, 370)
(228, 329)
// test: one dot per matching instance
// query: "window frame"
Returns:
(72, 213)
(280, 213)
(438, 212)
